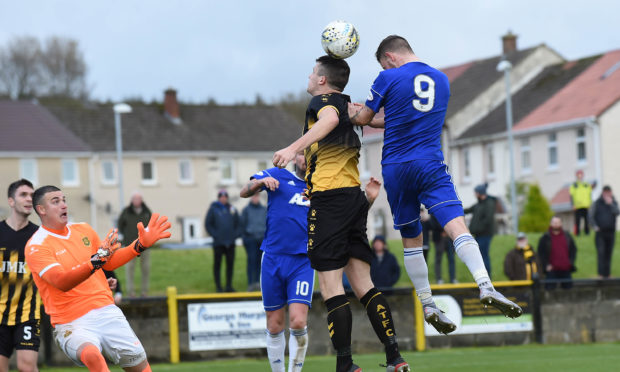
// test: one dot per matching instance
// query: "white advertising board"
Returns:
(226, 325)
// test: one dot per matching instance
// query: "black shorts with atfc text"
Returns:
(337, 228)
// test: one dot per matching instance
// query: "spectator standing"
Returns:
(521, 262)
(603, 218)
(557, 252)
(482, 225)
(443, 244)
(222, 223)
(135, 212)
(253, 224)
(384, 269)
(581, 200)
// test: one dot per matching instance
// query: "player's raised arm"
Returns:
(255, 186)
(328, 120)
(363, 115)
(156, 230)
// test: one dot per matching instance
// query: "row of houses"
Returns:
(566, 115)
(177, 156)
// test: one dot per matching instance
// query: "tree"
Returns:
(20, 67)
(64, 68)
(536, 213)
(27, 69)
(295, 104)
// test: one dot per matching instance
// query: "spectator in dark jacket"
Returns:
(135, 212)
(222, 223)
(521, 262)
(482, 224)
(253, 225)
(443, 244)
(384, 269)
(557, 253)
(603, 216)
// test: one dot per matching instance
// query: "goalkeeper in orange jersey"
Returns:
(65, 260)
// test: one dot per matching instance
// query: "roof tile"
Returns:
(587, 95)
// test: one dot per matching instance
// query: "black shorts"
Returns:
(23, 336)
(337, 228)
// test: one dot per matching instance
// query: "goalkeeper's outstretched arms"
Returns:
(156, 230)
(65, 280)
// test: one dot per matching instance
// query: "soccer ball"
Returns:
(340, 39)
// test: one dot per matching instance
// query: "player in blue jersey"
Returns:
(414, 98)
(286, 275)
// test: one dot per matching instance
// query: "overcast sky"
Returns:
(231, 50)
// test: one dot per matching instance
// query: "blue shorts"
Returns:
(416, 182)
(285, 279)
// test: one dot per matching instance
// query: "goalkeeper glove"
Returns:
(109, 245)
(156, 230)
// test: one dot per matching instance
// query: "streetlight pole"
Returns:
(120, 108)
(506, 67)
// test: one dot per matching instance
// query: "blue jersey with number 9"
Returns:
(415, 99)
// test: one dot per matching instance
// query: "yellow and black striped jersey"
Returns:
(19, 300)
(332, 161)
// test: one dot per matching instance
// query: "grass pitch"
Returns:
(191, 271)
(548, 358)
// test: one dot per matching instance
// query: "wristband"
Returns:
(97, 262)
(139, 248)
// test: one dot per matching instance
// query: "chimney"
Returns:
(171, 106)
(509, 42)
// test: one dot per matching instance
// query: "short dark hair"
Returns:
(16, 185)
(39, 193)
(607, 188)
(392, 43)
(335, 70)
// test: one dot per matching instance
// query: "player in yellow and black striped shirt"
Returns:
(20, 303)
(338, 212)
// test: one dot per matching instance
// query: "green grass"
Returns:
(565, 358)
(191, 271)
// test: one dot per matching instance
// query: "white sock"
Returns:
(418, 273)
(297, 346)
(467, 249)
(276, 343)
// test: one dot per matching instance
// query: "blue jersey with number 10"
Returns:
(287, 214)
(415, 98)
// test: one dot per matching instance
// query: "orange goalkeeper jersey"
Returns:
(49, 248)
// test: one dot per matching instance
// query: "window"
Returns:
(552, 151)
(191, 230)
(108, 172)
(581, 145)
(148, 172)
(70, 172)
(490, 161)
(466, 165)
(227, 171)
(29, 170)
(186, 174)
(526, 166)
